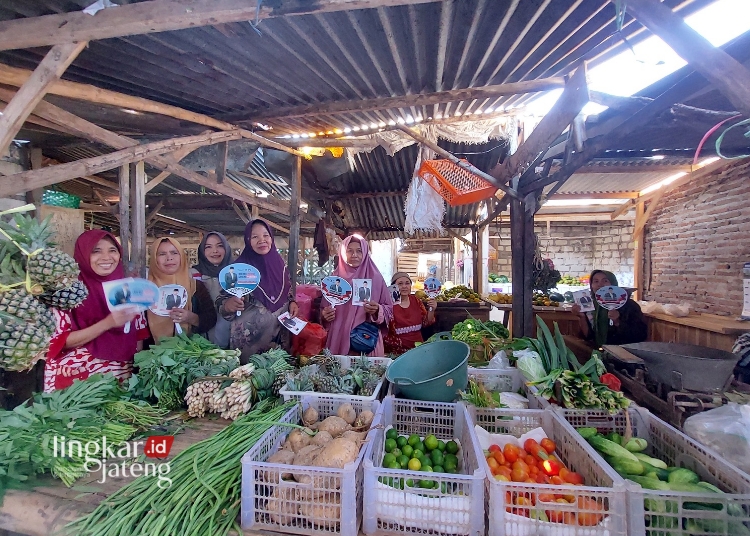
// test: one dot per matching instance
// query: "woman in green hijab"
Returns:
(627, 326)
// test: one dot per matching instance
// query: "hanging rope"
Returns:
(708, 134)
(721, 138)
(619, 14)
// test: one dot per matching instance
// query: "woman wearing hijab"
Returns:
(355, 263)
(257, 329)
(214, 254)
(409, 317)
(168, 266)
(627, 323)
(90, 339)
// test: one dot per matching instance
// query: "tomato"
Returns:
(530, 481)
(548, 445)
(519, 475)
(533, 448)
(541, 478)
(502, 478)
(494, 466)
(494, 448)
(563, 471)
(511, 452)
(551, 467)
(530, 460)
(504, 471)
(533, 470)
(556, 480)
(573, 478)
(520, 464)
(522, 501)
(611, 381)
(498, 455)
(556, 516)
(587, 515)
(546, 497)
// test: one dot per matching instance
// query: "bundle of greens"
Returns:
(473, 332)
(88, 411)
(478, 395)
(166, 370)
(204, 495)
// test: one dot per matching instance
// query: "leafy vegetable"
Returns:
(479, 396)
(530, 365)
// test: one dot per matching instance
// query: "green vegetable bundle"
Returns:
(473, 331)
(204, 496)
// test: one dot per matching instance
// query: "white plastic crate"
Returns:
(329, 503)
(508, 380)
(346, 363)
(606, 516)
(671, 512)
(536, 401)
(456, 507)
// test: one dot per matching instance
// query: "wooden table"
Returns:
(713, 331)
(46, 509)
(567, 321)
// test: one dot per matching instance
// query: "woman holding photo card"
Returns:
(355, 263)
(257, 329)
(90, 339)
(214, 254)
(168, 266)
(409, 317)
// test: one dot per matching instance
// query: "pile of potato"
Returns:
(331, 443)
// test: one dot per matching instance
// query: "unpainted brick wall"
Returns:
(698, 240)
(578, 248)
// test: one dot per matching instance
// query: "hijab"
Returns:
(207, 268)
(162, 326)
(601, 318)
(349, 316)
(113, 344)
(274, 277)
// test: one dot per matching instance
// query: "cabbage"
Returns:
(530, 365)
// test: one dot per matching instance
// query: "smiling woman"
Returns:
(214, 253)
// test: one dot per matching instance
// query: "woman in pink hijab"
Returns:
(355, 263)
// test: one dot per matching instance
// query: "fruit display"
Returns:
(574, 281)
(425, 454)
(499, 297)
(545, 300)
(460, 292)
(324, 374)
(34, 275)
(494, 278)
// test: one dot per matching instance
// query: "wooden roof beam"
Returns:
(33, 89)
(727, 74)
(163, 15)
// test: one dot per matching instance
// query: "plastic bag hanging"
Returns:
(424, 207)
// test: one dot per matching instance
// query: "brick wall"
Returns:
(697, 242)
(577, 248)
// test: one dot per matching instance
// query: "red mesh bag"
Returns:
(310, 341)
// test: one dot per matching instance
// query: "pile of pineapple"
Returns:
(324, 374)
(34, 277)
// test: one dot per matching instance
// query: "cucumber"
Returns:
(625, 467)
(614, 437)
(661, 474)
(611, 449)
(649, 460)
(649, 483)
(587, 433)
(637, 445)
(686, 488)
(683, 476)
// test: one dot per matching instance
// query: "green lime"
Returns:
(451, 446)
(425, 484)
(388, 459)
(414, 464)
(420, 446)
(431, 442)
(441, 445)
(417, 453)
(410, 483)
(449, 465)
(401, 441)
(403, 461)
(435, 484)
(407, 450)
(394, 465)
(437, 457)
(413, 439)
(396, 452)
(438, 469)
(427, 469)
(390, 444)
(426, 464)
(392, 433)
(443, 488)
(452, 471)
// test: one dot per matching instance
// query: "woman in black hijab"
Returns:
(214, 253)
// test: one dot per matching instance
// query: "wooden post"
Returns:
(221, 165)
(35, 196)
(125, 215)
(475, 260)
(529, 242)
(294, 215)
(138, 252)
(483, 256)
(522, 261)
(640, 213)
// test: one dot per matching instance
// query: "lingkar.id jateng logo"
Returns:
(122, 460)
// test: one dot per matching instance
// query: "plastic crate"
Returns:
(346, 363)
(603, 484)
(455, 508)
(508, 380)
(454, 184)
(536, 401)
(676, 449)
(333, 495)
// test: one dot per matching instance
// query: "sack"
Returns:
(364, 338)
(725, 429)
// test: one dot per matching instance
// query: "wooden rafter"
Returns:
(161, 16)
(161, 177)
(241, 214)
(179, 224)
(33, 89)
(151, 216)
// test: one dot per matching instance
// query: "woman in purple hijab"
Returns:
(257, 329)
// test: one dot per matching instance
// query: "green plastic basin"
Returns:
(434, 371)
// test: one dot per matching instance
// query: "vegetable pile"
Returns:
(473, 332)
(628, 458)
(324, 374)
(554, 368)
(204, 497)
(88, 411)
(166, 370)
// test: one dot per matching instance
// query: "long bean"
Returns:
(204, 497)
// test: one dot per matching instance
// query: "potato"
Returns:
(326, 514)
(337, 454)
(321, 438)
(298, 440)
(310, 416)
(364, 419)
(305, 457)
(357, 437)
(282, 505)
(334, 425)
(280, 456)
(346, 412)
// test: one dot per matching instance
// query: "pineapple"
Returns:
(23, 341)
(279, 382)
(67, 298)
(324, 383)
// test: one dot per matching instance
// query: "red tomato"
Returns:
(551, 467)
(493, 448)
(494, 466)
(573, 478)
(519, 475)
(530, 460)
(498, 455)
(505, 471)
(511, 452)
(520, 464)
(587, 515)
(556, 480)
(541, 478)
(533, 470)
(546, 497)
(548, 445)
(534, 449)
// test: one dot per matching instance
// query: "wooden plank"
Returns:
(179, 224)
(153, 213)
(638, 247)
(239, 212)
(294, 225)
(568, 106)
(729, 76)
(28, 180)
(277, 226)
(138, 213)
(422, 99)
(221, 163)
(33, 89)
(640, 223)
(161, 177)
(461, 238)
(161, 16)
(517, 267)
(124, 208)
